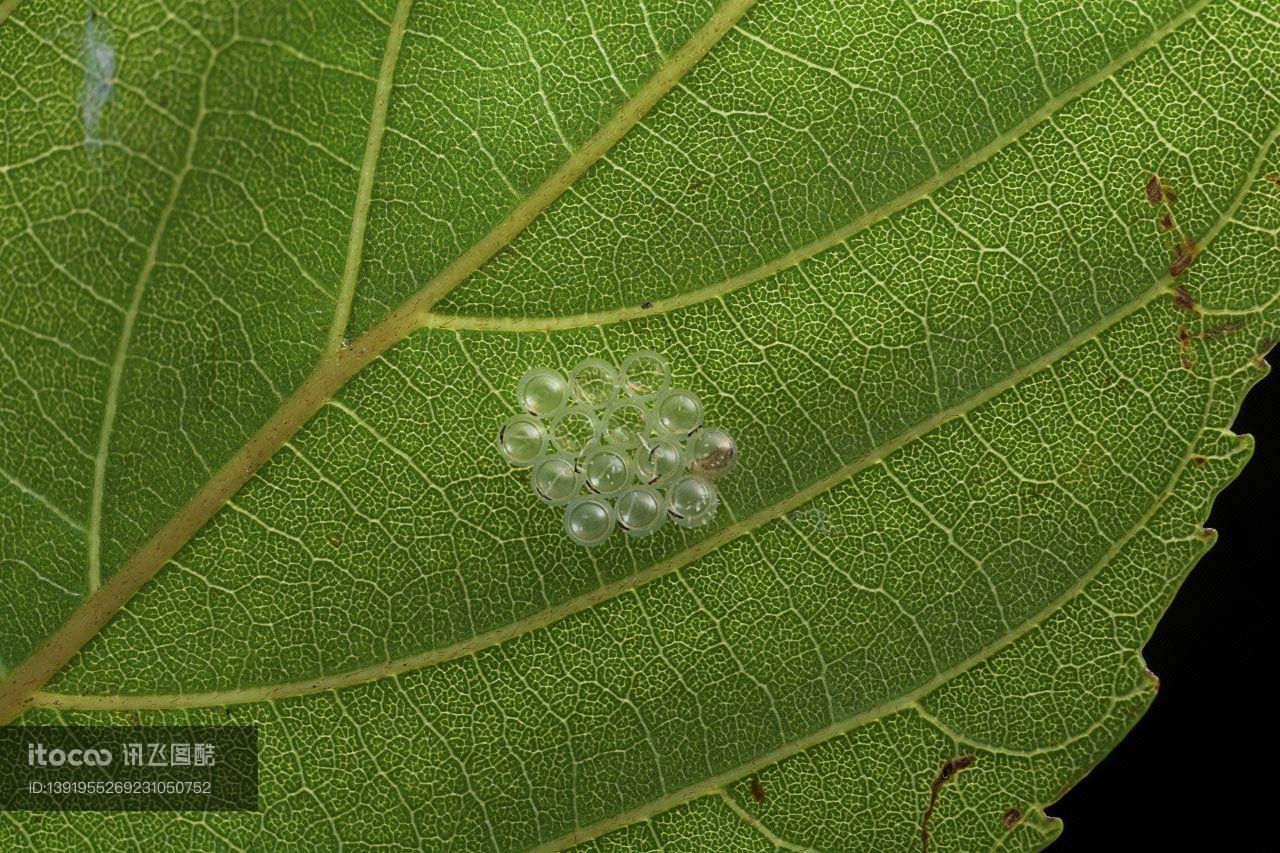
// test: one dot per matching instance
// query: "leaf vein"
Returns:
(368, 172)
(796, 256)
(116, 375)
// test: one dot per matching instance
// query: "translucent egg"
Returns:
(617, 447)
(659, 461)
(607, 470)
(677, 412)
(589, 521)
(641, 510)
(625, 423)
(645, 372)
(692, 501)
(594, 382)
(712, 452)
(541, 391)
(573, 428)
(555, 479)
(522, 439)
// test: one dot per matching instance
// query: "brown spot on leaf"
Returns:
(1154, 193)
(1183, 254)
(646, 305)
(1182, 298)
(1184, 347)
(1199, 460)
(1169, 195)
(757, 789)
(1166, 221)
(1010, 818)
(949, 768)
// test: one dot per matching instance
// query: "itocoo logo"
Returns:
(38, 755)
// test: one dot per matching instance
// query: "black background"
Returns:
(1199, 763)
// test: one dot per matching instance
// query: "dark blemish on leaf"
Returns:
(1181, 260)
(1221, 330)
(1154, 193)
(1184, 344)
(757, 790)
(1010, 818)
(135, 718)
(1166, 221)
(1199, 460)
(1183, 255)
(1183, 299)
(952, 767)
(949, 769)
(646, 305)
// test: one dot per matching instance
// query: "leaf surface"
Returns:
(903, 253)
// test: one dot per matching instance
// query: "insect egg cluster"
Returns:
(617, 447)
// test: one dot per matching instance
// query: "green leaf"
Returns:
(268, 277)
